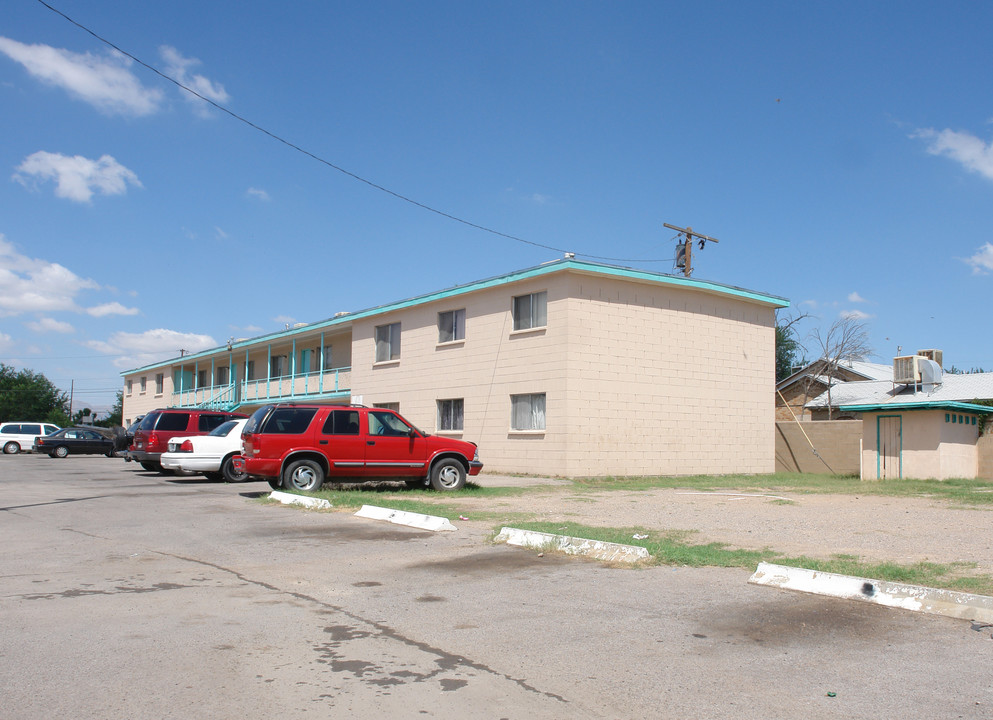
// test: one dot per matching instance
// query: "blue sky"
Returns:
(841, 153)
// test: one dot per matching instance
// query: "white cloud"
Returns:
(855, 298)
(854, 315)
(982, 261)
(178, 67)
(111, 308)
(137, 349)
(221, 235)
(30, 285)
(966, 149)
(258, 193)
(284, 319)
(77, 178)
(47, 324)
(105, 82)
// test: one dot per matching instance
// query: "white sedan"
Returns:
(208, 454)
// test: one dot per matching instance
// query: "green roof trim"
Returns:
(926, 405)
(555, 266)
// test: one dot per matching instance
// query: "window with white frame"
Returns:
(388, 342)
(328, 358)
(130, 385)
(159, 383)
(250, 370)
(144, 383)
(527, 411)
(451, 326)
(530, 311)
(222, 375)
(277, 366)
(201, 378)
(450, 414)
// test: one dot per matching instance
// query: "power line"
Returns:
(328, 163)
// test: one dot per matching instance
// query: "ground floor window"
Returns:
(394, 406)
(527, 411)
(450, 414)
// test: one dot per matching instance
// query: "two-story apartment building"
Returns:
(569, 368)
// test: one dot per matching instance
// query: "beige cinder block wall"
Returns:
(639, 378)
(491, 364)
(670, 381)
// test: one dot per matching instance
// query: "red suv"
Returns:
(300, 446)
(151, 438)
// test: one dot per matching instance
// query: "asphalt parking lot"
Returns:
(133, 594)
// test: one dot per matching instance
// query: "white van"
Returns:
(18, 437)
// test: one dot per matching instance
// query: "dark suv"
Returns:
(300, 446)
(151, 438)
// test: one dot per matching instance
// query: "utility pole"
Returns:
(684, 252)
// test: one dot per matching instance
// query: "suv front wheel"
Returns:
(448, 474)
(303, 475)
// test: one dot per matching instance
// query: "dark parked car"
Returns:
(75, 441)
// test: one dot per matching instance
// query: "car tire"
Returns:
(229, 474)
(11, 448)
(214, 476)
(150, 466)
(60, 451)
(306, 475)
(110, 453)
(275, 483)
(448, 474)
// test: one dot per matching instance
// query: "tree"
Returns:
(789, 351)
(846, 339)
(115, 417)
(26, 395)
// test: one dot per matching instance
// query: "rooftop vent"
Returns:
(925, 366)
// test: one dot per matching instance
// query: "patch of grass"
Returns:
(674, 548)
(968, 491)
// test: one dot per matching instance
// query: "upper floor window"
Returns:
(527, 412)
(250, 370)
(130, 385)
(144, 383)
(451, 326)
(387, 342)
(201, 378)
(222, 375)
(159, 383)
(450, 414)
(530, 311)
(277, 366)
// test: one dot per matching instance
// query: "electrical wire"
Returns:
(328, 163)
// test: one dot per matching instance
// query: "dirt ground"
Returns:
(903, 530)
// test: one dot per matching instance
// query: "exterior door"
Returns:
(889, 440)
